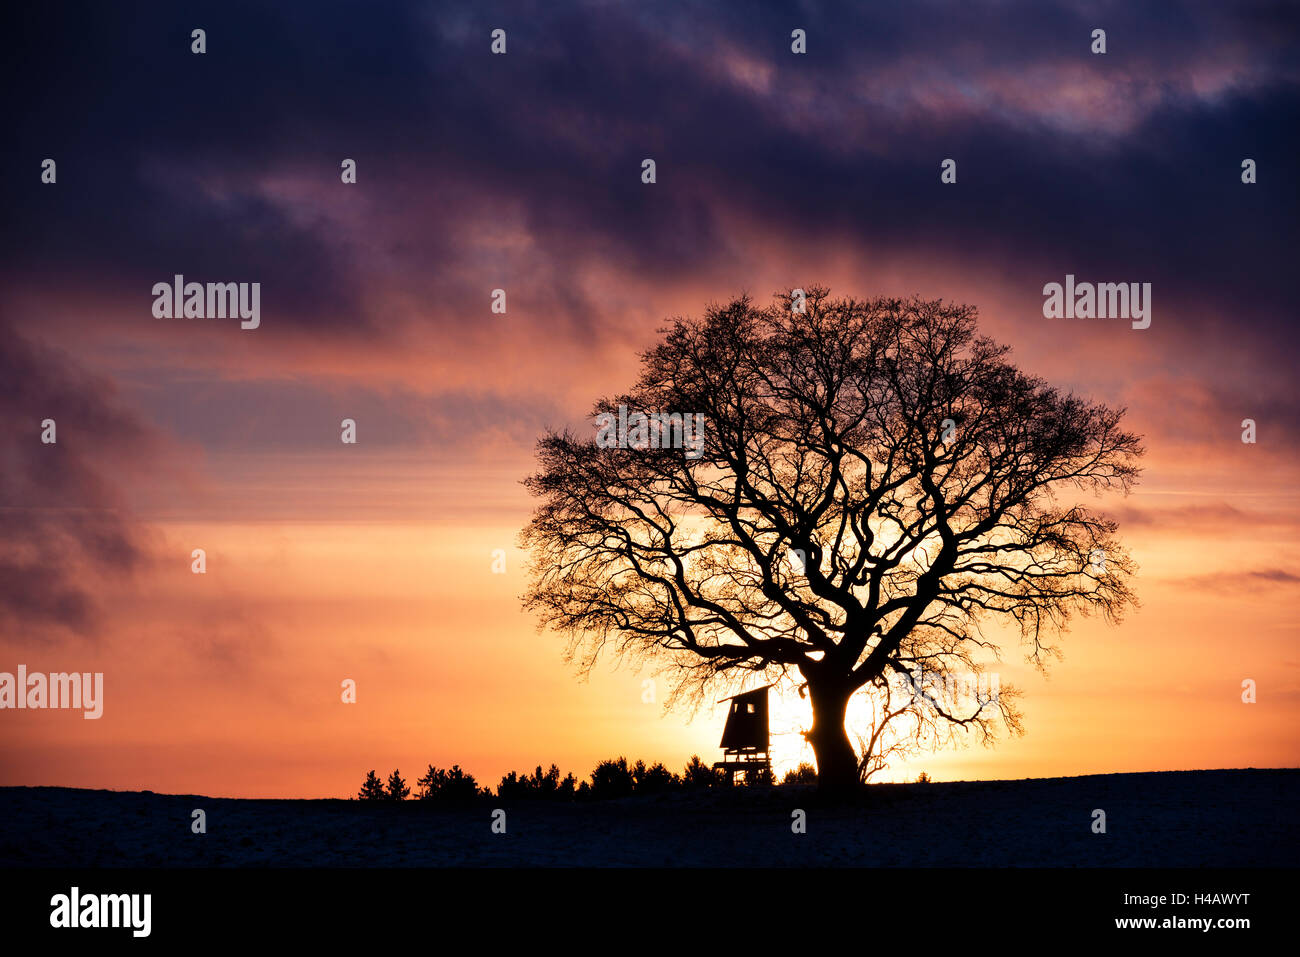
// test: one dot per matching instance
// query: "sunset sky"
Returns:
(373, 561)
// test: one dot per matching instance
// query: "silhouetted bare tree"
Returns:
(921, 475)
(918, 713)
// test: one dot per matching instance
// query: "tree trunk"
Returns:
(837, 762)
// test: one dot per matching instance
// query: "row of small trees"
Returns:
(614, 778)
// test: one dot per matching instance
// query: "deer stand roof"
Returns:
(746, 738)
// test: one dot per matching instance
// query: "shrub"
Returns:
(540, 785)
(513, 786)
(699, 775)
(397, 789)
(545, 785)
(805, 773)
(448, 787)
(655, 779)
(611, 779)
(372, 789)
(568, 787)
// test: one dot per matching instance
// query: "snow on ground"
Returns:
(1237, 818)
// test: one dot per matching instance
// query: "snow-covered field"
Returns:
(1238, 818)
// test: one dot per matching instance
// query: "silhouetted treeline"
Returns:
(613, 778)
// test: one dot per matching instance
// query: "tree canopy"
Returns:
(876, 484)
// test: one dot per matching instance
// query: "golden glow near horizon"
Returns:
(228, 683)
